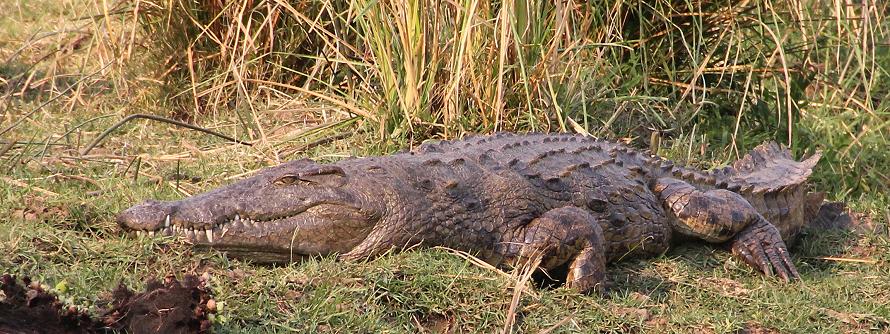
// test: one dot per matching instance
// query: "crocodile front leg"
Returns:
(567, 234)
(719, 216)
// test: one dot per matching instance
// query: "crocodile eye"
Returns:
(328, 176)
(287, 180)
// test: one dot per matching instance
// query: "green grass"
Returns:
(616, 69)
(73, 240)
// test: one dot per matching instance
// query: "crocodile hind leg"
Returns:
(567, 235)
(756, 245)
(719, 216)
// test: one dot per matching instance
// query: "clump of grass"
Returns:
(718, 75)
(805, 73)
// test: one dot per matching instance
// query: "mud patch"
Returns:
(166, 306)
(27, 308)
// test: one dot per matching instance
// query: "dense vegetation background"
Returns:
(698, 81)
(719, 74)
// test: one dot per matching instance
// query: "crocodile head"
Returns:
(283, 213)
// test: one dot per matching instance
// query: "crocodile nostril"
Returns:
(125, 219)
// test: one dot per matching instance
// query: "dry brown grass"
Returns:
(700, 80)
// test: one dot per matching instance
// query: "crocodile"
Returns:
(548, 200)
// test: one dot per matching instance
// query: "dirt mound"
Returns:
(168, 307)
(164, 307)
(28, 309)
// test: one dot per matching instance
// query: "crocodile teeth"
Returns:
(210, 233)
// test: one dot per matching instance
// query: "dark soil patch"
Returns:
(28, 309)
(164, 307)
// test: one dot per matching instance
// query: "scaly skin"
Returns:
(567, 199)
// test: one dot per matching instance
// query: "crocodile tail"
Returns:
(775, 184)
(769, 167)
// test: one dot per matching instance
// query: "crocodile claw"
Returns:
(760, 245)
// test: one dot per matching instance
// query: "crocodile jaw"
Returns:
(319, 229)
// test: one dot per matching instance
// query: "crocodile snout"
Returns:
(148, 216)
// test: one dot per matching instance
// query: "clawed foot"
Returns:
(587, 273)
(589, 284)
(760, 245)
(573, 234)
